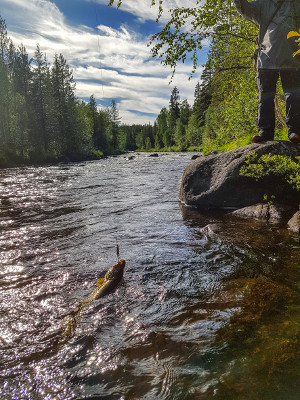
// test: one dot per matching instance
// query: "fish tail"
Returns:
(69, 323)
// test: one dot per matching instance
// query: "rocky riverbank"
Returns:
(214, 181)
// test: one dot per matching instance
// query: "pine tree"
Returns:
(193, 132)
(22, 77)
(114, 124)
(4, 87)
(197, 93)
(163, 133)
(104, 124)
(180, 134)
(96, 121)
(130, 131)
(65, 106)
(174, 112)
(148, 136)
(38, 96)
(203, 93)
(4, 40)
(185, 112)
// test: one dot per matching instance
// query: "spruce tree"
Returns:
(65, 105)
(95, 120)
(4, 88)
(185, 112)
(174, 112)
(40, 139)
(163, 131)
(114, 124)
(203, 93)
(22, 78)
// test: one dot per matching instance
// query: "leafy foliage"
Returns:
(188, 29)
(268, 164)
(224, 114)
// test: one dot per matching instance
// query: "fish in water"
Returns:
(104, 287)
(107, 284)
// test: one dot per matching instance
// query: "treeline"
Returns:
(224, 112)
(180, 126)
(41, 119)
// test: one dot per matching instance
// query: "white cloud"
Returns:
(107, 62)
(33, 15)
(143, 9)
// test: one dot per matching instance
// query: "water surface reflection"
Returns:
(209, 308)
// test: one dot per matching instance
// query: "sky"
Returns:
(106, 48)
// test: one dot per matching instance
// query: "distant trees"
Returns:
(41, 119)
(181, 126)
(114, 122)
(174, 112)
(224, 112)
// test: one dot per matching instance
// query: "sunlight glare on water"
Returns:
(209, 305)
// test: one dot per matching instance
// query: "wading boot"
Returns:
(294, 138)
(261, 138)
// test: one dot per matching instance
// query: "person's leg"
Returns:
(291, 86)
(266, 83)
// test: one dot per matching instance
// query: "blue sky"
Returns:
(106, 48)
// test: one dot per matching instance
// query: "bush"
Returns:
(98, 154)
(272, 164)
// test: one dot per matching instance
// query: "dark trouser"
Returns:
(266, 82)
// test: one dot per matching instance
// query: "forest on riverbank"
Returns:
(42, 120)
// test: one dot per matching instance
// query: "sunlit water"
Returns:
(209, 306)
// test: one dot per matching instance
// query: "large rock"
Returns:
(214, 181)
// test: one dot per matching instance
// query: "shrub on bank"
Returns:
(281, 166)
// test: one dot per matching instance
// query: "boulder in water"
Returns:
(214, 181)
(270, 212)
(195, 156)
(294, 223)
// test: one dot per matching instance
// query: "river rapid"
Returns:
(209, 307)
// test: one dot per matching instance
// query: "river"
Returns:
(209, 307)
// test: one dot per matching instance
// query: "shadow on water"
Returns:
(259, 346)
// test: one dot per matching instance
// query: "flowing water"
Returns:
(209, 307)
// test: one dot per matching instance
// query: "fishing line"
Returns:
(98, 42)
(117, 250)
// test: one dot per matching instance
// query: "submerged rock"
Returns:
(214, 181)
(294, 223)
(211, 229)
(270, 212)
